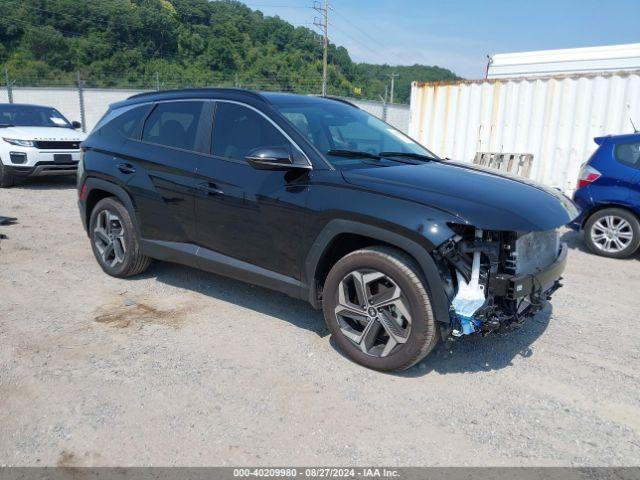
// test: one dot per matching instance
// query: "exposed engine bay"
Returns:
(497, 279)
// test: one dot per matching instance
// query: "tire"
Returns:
(623, 238)
(6, 179)
(110, 222)
(382, 271)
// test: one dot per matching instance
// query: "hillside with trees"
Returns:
(180, 43)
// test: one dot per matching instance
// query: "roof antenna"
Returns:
(635, 130)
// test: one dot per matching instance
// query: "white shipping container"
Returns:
(611, 58)
(553, 118)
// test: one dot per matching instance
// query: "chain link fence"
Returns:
(82, 99)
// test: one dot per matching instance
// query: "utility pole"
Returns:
(9, 85)
(323, 9)
(393, 82)
(384, 102)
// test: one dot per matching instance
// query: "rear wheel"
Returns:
(6, 179)
(114, 241)
(378, 310)
(612, 232)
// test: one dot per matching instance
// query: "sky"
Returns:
(460, 34)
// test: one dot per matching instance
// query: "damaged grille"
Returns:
(535, 251)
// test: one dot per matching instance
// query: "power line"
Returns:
(39, 28)
(254, 5)
(81, 18)
(364, 33)
(370, 37)
(77, 34)
(211, 76)
(110, 23)
(348, 35)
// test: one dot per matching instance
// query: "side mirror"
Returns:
(271, 158)
(76, 125)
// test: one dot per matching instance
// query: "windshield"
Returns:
(31, 116)
(351, 138)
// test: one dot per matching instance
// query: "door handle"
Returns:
(126, 168)
(209, 188)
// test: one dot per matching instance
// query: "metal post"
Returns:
(237, 82)
(83, 118)
(393, 82)
(8, 83)
(157, 82)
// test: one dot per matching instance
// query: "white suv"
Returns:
(36, 140)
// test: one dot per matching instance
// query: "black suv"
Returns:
(317, 199)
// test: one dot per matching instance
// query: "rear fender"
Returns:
(118, 192)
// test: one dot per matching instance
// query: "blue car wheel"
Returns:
(612, 232)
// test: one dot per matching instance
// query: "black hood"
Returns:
(477, 196)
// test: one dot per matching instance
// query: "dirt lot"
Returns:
(182, 367)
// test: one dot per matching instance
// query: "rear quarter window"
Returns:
(124, 122)
(628, 154)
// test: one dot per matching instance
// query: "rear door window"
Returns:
(176, 125)
(629, 154)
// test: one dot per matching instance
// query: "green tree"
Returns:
(129, 43)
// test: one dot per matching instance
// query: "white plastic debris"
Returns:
(470, 296)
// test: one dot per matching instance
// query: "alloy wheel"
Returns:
(372, 312)
(108, 237)
(611, 234)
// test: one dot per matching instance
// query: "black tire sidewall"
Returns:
(6, 179)
(629, 217)
(130, 241)
(423, 322)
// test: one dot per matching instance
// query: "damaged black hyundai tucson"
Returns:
(315, 198)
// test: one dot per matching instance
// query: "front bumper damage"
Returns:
(508, 288)
(514, 287)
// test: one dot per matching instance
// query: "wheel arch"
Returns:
(603, 206)
(340, 237)
(98, 189)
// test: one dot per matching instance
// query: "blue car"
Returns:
(608, 192)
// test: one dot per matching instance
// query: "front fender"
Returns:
(426, 263)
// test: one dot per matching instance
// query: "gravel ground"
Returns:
(182, 367)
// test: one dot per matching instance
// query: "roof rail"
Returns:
(199, 90)
(342, 100)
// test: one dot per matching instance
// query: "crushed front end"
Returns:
(495, 279)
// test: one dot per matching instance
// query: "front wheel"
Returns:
(114, 241)
(612, 232)
(378, 310)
